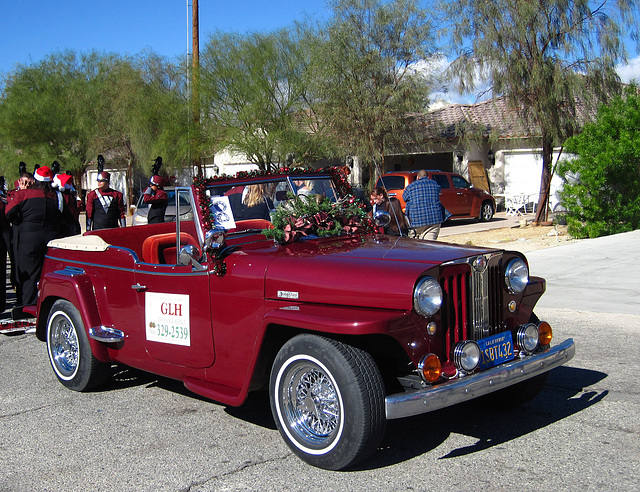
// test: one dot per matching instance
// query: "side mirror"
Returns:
(215, 238)
(382, 218)
(189, 256)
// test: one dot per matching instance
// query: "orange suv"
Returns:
(457, 195)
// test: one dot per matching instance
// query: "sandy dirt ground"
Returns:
(519, 238)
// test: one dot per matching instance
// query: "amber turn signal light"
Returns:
(545, 333)
(430, 368)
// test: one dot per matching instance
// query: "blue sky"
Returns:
(32, 29)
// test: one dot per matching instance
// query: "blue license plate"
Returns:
(495, 350)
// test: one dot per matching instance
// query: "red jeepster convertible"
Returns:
(346, 327)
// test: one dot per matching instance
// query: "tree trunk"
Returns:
(545, 181)
(129, 184)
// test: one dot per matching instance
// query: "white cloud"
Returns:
(445, 90)
(447, 94)
(630, 71)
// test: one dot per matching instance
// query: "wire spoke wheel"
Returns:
(311, 404)
(69, 349)
(64, 345)
(327, 399)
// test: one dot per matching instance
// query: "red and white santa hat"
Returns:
(63, 181)
(156, 180)
(44, 174)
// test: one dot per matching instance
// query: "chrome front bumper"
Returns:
(466, 388)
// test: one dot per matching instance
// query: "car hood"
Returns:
(378, 272)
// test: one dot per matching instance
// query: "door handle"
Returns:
(139, 287)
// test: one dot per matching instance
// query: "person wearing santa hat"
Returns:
(37, 213)
(157, 199)
(105, 206)
(71, 204)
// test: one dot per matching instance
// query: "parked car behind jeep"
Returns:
(457, 195)
(142, 208)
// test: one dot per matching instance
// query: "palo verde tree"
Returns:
(554, 60)
(41, 113)
(252, 89)
(601, 184)
(365, 77)
(166, 126)
(71, 107)
(140, 110)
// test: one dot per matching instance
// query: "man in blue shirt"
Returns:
(423, 206)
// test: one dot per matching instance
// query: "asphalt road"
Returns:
(143, 433)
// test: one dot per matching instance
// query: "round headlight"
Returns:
(516, 275)
(528, 338)
(466, 355)
(427, 296)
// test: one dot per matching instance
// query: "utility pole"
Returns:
(195, 75)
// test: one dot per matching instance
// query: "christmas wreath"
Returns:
(311, 217)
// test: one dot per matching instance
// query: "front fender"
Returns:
(532, 293)
(74, 285)
(342, 320)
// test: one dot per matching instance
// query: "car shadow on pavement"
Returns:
(128, 377)
(255, 410)
(562, 397)
(462, 222)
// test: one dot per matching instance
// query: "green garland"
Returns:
(310, 217)
(300, 217)
(201, 183)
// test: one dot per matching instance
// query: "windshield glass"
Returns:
(230, 203)
(171, 194)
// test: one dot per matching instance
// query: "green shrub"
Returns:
(604, 197)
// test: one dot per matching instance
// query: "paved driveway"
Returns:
(598, 275)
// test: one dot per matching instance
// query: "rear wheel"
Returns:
(486, 212)
(69, 350)
(327, 399)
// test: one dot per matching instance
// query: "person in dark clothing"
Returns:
(380, 200)
(24, 182)
(5, 245)
(37, 213)
(157, 199)
(71, 205)
(251, 203)
(105, 206)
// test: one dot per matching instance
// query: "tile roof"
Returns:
(493, 118)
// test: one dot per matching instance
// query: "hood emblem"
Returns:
(285, 294)
(480, 264)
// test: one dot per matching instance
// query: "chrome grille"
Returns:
(472, 304)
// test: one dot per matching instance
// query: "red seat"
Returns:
(242, 225)
(161, 248)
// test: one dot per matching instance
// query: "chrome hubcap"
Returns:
(310, 404)
(64, 345)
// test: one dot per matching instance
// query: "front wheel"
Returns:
(486, 212)
(69, 350)
(327, 399)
